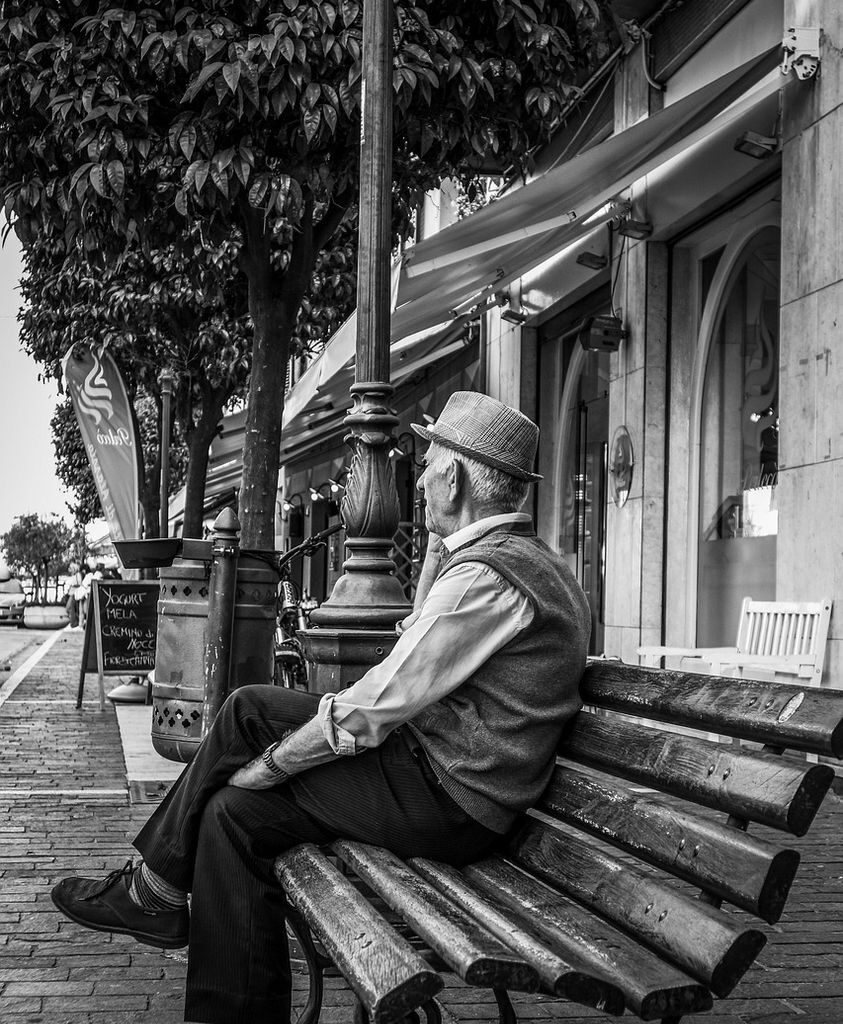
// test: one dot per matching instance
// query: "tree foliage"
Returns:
(34, 545)
(123, 127)
(178, 308)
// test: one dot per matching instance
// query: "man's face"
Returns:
(435, 485)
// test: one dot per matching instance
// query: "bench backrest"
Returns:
(784, 629)
(670, 829)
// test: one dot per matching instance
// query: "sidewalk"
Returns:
(65, 809)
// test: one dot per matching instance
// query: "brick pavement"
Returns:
(64, 809)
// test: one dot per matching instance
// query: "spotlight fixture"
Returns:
(292, 502)
(593, 260)
(602, 333)
(758, 146)
(514, 316)
(635, 228)
(336, 486)
(315, 495)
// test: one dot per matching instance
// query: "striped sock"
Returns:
(152, 892)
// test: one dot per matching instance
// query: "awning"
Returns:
(468, 261)
(460, 267)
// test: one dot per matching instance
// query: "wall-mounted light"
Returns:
(508, 312)
(514, 316)
(758, 146)
(639, 229)
(593, 260)
(290, 504)
(317, 493)
(602, 333)
(405, 446)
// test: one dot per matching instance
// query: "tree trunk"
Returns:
(199, 440)
(274, 301)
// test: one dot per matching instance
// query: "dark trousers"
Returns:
(218, 843)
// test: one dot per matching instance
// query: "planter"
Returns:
(50, 616)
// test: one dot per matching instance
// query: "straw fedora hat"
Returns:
(486, 430)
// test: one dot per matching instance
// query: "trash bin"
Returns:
(178, 689)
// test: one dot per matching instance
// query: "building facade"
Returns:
(665, 297)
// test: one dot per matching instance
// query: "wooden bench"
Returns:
(608, 894)
(774, 638)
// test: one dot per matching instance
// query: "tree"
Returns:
(121, 126)
(33, 544)
(177, 308)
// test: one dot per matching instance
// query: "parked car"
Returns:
(12, 598)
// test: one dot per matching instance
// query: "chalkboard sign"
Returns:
(120, 630)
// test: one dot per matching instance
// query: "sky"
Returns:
(27, 468)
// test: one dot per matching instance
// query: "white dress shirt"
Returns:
(470, 612)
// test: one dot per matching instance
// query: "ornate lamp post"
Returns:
(356, 625)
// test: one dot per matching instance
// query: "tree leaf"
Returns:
(207, 71)
(311, 96)
(223, 158)
(187, 141)
(231, 74)
(97, 179)
(116, 173)
(258, 191)
(311, 121)
(201, 175)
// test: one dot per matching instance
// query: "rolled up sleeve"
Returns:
(338, 739)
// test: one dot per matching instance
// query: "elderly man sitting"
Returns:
(454, 734)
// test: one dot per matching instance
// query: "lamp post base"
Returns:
(339, 657)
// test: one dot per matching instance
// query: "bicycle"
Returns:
(290, 662)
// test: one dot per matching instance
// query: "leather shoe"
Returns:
(104, 904)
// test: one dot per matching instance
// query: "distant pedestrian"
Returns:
(74, 593)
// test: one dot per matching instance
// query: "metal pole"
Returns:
(222, 599)
(356, 624)
(165, 379)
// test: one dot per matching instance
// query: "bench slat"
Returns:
(652, 988)
(711, 946)
(758, 786)
(751, 873)
(385, 972)
(476, 955)
(781, 714)
(571, 978)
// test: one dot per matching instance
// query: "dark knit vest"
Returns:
(492, 741)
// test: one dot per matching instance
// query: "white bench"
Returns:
(774, 638)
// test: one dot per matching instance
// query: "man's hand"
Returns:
(254, 775)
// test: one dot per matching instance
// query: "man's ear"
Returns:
(457, 479)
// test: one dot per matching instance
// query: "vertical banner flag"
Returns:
(108, 431)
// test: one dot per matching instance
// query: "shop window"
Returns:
(739, 443)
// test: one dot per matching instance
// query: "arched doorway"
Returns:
(582, 480)
(736, 418)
